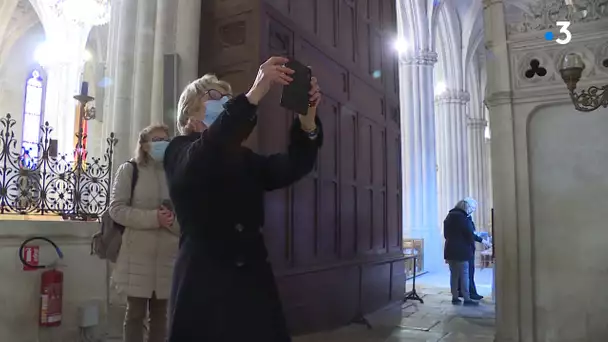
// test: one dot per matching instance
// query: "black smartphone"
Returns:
(295, 95)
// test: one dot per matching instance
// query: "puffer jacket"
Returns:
(145, 262)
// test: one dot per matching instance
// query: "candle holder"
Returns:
(587, 100)
(80, 150)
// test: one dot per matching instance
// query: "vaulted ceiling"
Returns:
(16, 18)
(459, 39)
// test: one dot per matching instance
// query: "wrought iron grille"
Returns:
(75, 187)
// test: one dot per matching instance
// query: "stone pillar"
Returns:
(144, 67)
(187, 40)
(160, 48)
(478, 171)
(60, 105)
(141, 33)
(452, 149)
(418, 154)
(123, 81)
(514, 308)
(66, 35)
(479, 177)
(110, 69)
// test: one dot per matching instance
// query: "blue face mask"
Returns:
(213, 109)
(157, 150)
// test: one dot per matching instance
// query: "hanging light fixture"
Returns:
(84, 12)
(587, 100)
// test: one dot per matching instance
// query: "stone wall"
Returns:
(84, 279)
(547, 162)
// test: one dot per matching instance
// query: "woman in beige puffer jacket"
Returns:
(144, 268)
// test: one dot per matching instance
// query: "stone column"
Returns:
(452, 149)
(144, 67)
(60, 105)
(160, 48)
(187, 40)
(122, 108)
(418, 154)
(478, 171)
(514, 305)
(110, 69)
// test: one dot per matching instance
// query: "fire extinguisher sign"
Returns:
(31, 254)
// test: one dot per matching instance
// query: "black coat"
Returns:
(460, 237)
(223, 288)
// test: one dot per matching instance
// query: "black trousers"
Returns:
(472, 287)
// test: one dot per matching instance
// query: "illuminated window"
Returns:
(32, 116)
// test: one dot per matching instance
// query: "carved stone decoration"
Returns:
(543, 14)
(453, 96)
(534, 67)
(422, 57)
(232, 34)
(602, 58)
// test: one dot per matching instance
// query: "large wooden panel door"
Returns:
(334, 237)
(346, 213)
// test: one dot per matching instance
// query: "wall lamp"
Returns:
(587, 100)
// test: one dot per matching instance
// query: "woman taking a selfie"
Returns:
(224, 288)
(144, 268)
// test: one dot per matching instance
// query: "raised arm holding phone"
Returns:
(217, 187)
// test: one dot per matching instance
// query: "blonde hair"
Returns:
(189, 101)
(142, 157)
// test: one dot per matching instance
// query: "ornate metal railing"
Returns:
(75, 187)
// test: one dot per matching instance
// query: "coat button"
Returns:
(239, 228)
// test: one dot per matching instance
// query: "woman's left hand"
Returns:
(308, 120)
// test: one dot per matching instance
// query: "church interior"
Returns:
(425, 103)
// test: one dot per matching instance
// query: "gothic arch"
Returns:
(473, 33)
(17, 17)
(449, 37)
(417, 28)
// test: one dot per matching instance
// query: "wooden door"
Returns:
(346, 226)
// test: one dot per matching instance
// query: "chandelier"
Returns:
(82, 12)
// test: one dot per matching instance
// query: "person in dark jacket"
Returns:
(472, 287)
(460, 239)
(223, 287)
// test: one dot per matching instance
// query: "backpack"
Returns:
(106, 243)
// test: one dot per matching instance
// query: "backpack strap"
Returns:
(133, 178)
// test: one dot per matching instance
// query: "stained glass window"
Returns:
(32, 115)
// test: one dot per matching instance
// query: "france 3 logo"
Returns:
(565, 35)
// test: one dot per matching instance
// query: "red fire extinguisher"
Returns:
(51, 287)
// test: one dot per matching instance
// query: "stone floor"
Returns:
(437, 320)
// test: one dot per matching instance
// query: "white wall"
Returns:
(568, 154)
(14, 73)
(84, 279)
